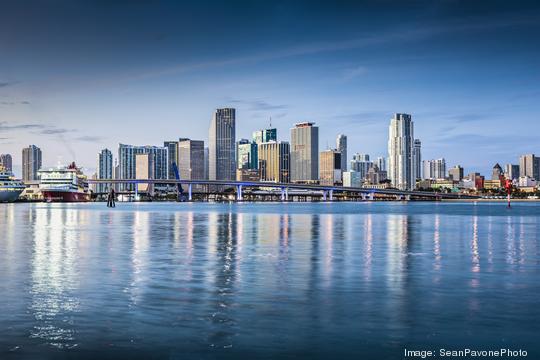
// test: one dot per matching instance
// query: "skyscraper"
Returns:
(31, 162)
(497, 172)
(456, 173)
(434, 169)
(6, 161)
(222, 145)
(341, 146)
(127, 162)
(400, 152)
(361, 164)
(529, 165)
(104, 169)
(381, 163)
(265, 135)
(417, 159)
(330, 168)
(172, 157)
(274, 161)
(305, 152)
(511, 171)
(191, 159)
(246, 155)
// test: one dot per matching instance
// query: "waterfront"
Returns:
(313, 280)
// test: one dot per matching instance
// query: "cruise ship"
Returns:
(64, 184)
(10, 188)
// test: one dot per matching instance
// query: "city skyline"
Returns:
(341, 67)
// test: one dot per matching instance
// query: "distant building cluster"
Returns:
(265, 158)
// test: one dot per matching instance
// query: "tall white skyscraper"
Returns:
(400, 152)
(104, 169)
(304, 152)
(222, 145)
(417, 158)
(31, 162)
(341, 146)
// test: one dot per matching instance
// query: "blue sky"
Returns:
(78, 76)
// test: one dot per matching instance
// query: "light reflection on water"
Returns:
(266, 280)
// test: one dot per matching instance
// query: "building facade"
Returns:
(511, 171)
(330, 168)
(417, 159)
(127, 162)
(222, 145)
(456, 173)
(341, 146)
(361, 164)
(274, 161)
(104, 169)
(401, 170)
(172, 157)
(529, 165)
(191, 159)
(6, 161)
(434, 169)
(352, 179)
(305, 152)
(246, 155)
(144, 169)
(31, 163)
(264, 135)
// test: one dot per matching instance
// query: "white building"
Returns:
(526, 181)
(352, 179)
(361, 164)
(400, 152)
(305, 152)
(434, 169)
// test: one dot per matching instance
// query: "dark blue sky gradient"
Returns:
(76, 76)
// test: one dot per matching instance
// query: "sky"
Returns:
(80, 76)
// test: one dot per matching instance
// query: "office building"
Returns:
(352, 179)
(222, 145)
(6, 161)
(511, 171)
(104, 170)
(274, 161)
(31, 163)
(246, 155)
(456, 173)
(144, 169)
(375, 176)
(264, 135)
(497, 172)
(172, 157)
(330, 167)
(434, 169)
(529, 165)
(417, 159)
(127, 162)
(305, 152)
(381, 163)
(341, 146)
(400, 152)
(361, 164)
(191, 159)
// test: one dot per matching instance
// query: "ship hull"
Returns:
(9, 196)
(65, 196)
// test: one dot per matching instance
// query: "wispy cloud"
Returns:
(259, 105)
(351, 73)
(4, 126)
(54, 131)
(10, 103)
(7, 83)
(90, 138)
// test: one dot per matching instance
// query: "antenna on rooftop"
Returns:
(270, 122)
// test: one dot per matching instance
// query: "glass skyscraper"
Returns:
(222, 145)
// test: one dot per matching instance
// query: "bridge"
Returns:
(326, 192)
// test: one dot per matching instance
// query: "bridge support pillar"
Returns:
(363, 196)
(282, 194)
(324, 195)
(331, 195)
(239, 193)
(371, 196)
(136, 193)
(189, 192)
(407, 197)
(286, 194)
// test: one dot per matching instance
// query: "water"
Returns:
(267, 281)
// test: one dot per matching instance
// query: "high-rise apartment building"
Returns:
(529, 165)
(305, 152)
(434, 169)
(381, 163)
(400, 152)
(246, 155)
(274, 161)
(191, 159)
(361, 164)
(127, 163)
(511, 171)
(341, 146)
(417, 159)
(222, 145)
(104, 169)
(6, 161)
(330, 168)
(31, 162)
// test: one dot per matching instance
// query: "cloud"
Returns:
(90, 138)
(5, 127)
(54, 131)
(15, 102)
(349, 74)
(7, 83)
(259, 105)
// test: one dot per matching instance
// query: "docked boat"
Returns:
(64, 184)
(10, 188)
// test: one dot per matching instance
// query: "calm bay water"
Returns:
(209, 281)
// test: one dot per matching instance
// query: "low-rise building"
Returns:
(352, 179)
